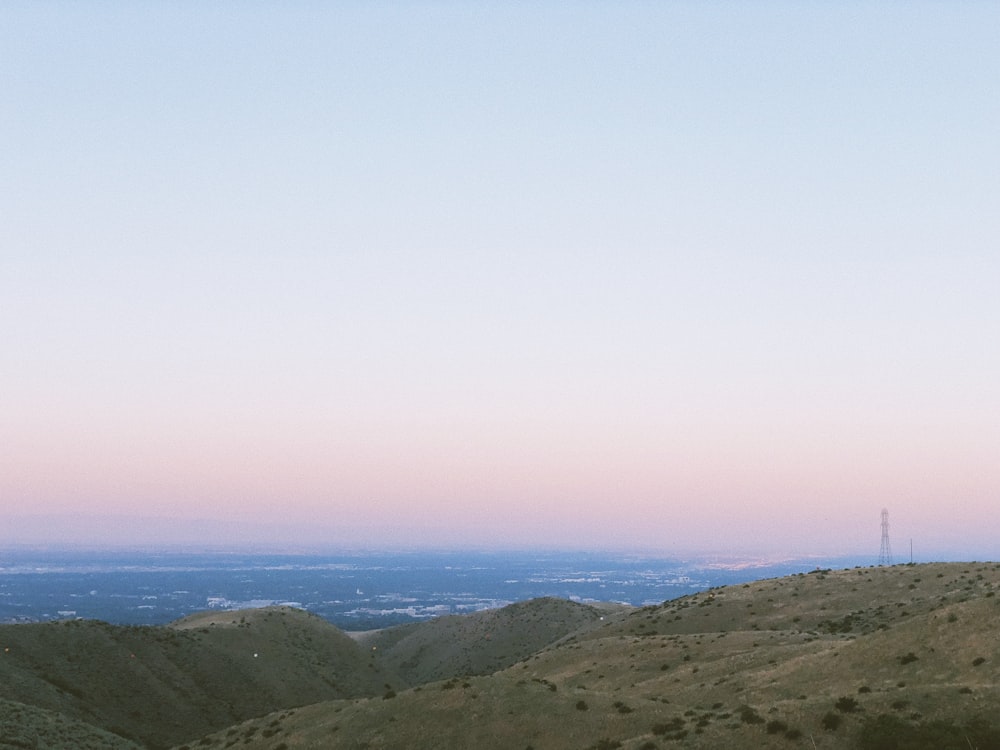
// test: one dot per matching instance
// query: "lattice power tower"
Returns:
(885, 553)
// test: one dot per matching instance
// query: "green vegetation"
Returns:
(776, 726)
(847, 705)
(23, 726)
(888, 732)
(831, 721)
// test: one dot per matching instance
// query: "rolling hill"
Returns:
(160, 686)
(898, 657)
(872, 658)
(479, 643)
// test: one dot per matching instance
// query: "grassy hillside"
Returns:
(869, 658)
(163, 685)
(873, 658)
(24, 726)
(479, 643)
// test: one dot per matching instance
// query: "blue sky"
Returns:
(682, 274)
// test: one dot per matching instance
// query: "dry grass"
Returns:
(479, 643)
(804, 661)
(757, 666)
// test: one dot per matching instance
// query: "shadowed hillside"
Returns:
(478, 643)
(873, 658)
(163, 685)
(24, 726)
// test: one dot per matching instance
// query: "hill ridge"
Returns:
(859, 657)
(826, 659)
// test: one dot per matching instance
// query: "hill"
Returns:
(868, 658)
(872, 658)
(479, 643)
(24, 726)
(160, 686)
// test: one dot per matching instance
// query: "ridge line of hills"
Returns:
(860, 657)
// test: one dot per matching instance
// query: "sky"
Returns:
(679, 277)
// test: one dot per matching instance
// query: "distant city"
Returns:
(354, 592)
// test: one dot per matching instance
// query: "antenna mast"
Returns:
(885, 553)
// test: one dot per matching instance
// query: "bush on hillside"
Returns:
(887, 732)
(846, 704)
(776, 726)
(831, 721)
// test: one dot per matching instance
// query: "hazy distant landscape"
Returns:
(353, 591)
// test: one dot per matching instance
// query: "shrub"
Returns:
(846, 704)
(749, 716)
(977, 661)
(674, 725)
(581, 705)
(776, 726)
(831, 721)
(908, 658)
(842, 626)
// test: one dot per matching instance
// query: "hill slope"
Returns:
(478, 643)
(163, 685)
(871, 658)
(24, 726)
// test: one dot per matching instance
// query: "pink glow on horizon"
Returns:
(651, 281)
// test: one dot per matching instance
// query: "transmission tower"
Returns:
(885, 553)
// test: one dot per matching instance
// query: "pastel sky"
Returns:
(674, 277)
